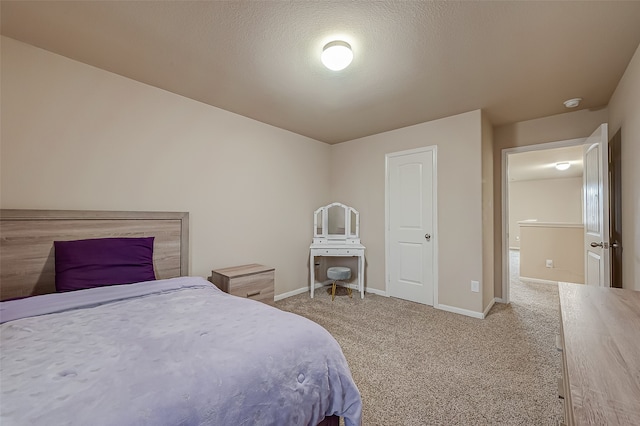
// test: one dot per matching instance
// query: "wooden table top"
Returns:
(242, 270)
(601, 332)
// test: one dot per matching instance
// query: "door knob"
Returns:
(597, 244)
(615, 244)
(428, 237)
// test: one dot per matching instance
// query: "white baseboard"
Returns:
(540, 281)
(354, 286)
(460, 311)
(384, 294)
(302, 290)
(322, 284)
(290, 293)
(488, 308)
(376, 291)
(499, 300)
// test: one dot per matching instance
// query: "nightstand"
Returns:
(250, 281)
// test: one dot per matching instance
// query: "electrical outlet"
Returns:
(475, 286)
(549, 263)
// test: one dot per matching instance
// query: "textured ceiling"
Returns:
(414, 61)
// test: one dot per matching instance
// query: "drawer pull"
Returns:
(255, 293)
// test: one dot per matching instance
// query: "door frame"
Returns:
(505, 201)
(615, 208)
(434, 207)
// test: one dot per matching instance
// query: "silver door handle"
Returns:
(428, 237)
(597, 244)
(614, 244)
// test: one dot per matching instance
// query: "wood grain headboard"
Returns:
(27, 265)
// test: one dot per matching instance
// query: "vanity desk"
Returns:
(336, 233)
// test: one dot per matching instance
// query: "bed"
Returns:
(170, 351)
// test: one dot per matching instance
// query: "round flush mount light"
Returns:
(572, 103)
(563, 165)
(337, 55)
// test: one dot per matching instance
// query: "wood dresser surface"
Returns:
(242, 270)
(601, 344)
(253, 281)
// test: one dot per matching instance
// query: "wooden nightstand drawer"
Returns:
(251, 281)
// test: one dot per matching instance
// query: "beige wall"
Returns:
(487, 214)
(545, 200)
(62, 119)
(358, 179)
(624, 112)
(571, 125)
(77, 137)
(563, 245)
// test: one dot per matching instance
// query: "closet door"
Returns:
(411, 239)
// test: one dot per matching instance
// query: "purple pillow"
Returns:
(98, 262)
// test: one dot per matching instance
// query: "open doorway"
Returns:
(542, 213)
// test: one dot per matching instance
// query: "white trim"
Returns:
(434, 234)
(505, 227)
(435, 224)
(460, 311)
(498, 300)
(367, 290)
(376, 291)
(290, 293)
(322, 284)
(550, 225)
(467, 312)
(505, 200)
(355, 287)
(299, 291)
(488, 308)
(539, 280)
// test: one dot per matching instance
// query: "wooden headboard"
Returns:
(27, 265)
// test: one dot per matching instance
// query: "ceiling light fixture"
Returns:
(337, 55)
(572, 103)
(563, 165)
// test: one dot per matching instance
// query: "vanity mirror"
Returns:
(336, 223)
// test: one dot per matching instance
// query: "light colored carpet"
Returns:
(416, 365)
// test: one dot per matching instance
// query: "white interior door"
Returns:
(596, 209)
(411, 238)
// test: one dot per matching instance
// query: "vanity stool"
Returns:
(338, 273)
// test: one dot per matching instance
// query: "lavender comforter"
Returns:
(168, 352)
